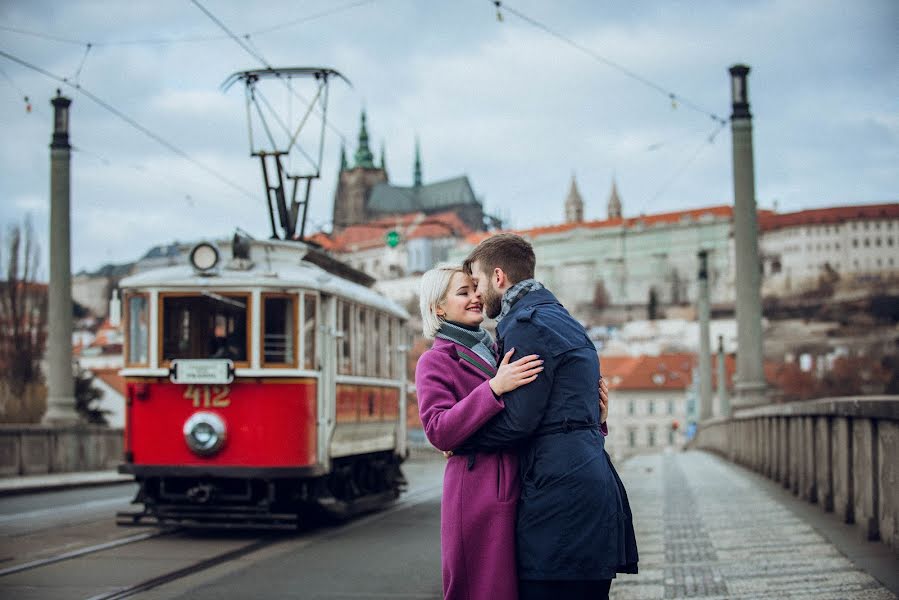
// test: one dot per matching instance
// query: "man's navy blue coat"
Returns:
(574, 521)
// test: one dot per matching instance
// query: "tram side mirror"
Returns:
(115, 309)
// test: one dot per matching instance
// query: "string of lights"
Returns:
(25, 97)
(675, 98)
(151, 134)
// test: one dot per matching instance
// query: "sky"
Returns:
(516, 108)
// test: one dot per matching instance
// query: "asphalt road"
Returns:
(66, 544)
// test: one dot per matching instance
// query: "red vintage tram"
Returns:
(261, 388)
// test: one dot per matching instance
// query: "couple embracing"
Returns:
(532, 506)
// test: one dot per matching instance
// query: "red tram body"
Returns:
(261, 390)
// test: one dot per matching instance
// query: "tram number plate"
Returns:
(202, 371)
(208, 396)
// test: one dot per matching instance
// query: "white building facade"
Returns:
(849, 244)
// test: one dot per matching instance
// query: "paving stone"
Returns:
(705, 531)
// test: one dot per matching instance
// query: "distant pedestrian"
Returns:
(574, 527)
(460, 385)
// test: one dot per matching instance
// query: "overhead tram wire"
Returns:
(154, 136)
(708, 141)
(672, 96)
(187, 39)
(258, 56)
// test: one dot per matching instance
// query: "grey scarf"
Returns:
(516, 293)
(479, 341)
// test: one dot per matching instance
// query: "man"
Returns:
(574, 530)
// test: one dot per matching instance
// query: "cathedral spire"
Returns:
(614, 202)
(417, 172)
(574, 204)
(383, 157)
(364, 157)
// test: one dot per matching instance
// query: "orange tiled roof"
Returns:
(410, 226)
(725, 211)
(669, 371)
(827, 216)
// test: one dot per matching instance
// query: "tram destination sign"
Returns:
(205, 370)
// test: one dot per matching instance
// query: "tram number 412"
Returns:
(215, 396)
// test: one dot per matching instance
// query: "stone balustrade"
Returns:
(841, 453)
(39, 449)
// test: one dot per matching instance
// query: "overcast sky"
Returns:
(515, 109)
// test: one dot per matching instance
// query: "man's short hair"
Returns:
(511, 253)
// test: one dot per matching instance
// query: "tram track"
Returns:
(409, 500)
(174, 556)
(197, 567)
(84, 551)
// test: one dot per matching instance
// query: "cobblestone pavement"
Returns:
(705, 531)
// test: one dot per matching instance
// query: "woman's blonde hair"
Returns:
(434, 286)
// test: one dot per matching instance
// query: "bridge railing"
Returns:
(841, 453)
(39, 449)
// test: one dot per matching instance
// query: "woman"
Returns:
(460, 386)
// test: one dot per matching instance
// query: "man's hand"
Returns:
(603, 401)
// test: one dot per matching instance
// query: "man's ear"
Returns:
(499, 277)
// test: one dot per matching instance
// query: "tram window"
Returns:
(345, 326)
(372, 350)
(362, 337)
(208, 326)
(138, 328)
(279, 338)
(310, 313)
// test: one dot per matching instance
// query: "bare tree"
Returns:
(23, 320)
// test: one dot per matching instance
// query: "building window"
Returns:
(631, 408)
(671, 407)
(631, 438)
(670, 437)
(867, 243)
(877, 242)
(889, 241)
(855, 243)
(651, 407)
(837, 246)
(652, 436)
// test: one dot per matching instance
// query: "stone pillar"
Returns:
(705, 351)
(824, 462)
(60, 380)
(750, 381)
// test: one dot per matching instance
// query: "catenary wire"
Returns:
(672, 96)
(154, 136)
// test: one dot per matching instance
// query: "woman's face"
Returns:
(462, 303)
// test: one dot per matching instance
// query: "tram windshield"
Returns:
(207, 326)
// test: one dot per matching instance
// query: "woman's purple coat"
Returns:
(477, 517)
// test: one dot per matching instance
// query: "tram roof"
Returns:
(274, 266)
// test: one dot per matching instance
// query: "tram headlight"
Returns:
(204, 257)
(204, 433)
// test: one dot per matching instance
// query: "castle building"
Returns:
(364, 192)
(800, 250)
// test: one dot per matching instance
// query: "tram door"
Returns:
(327, 389)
